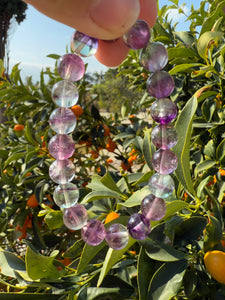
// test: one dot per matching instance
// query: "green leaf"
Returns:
(108, 181)
(220, 152)
(96, 195)
(27, 296)
(182, 149)
(148, 148)
(28, 134)
(14, 158)
(204, 165)
(183, 68)
(54, 219)
(213, 234)
(10, 264)
(205, 39)
(136, 198)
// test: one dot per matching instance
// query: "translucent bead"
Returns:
(164, 161)
(153, 208)
(163, 110)
(66, 195)
(138, 226)
(65, 93)
(62, 171)
(164, 136)
(160, 84)
(138, 36)
(83, 44)
(161, 186)
(61, 146)
(93, 233)
(154, 57)
(62, 120)
(117, 236)
(75, 217)
(71, 67)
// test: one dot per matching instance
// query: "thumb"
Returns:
(103, 19)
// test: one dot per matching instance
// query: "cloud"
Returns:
(175, 16)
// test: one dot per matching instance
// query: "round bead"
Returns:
(164, 161)
(61, 146)
(71, 67)
(83, 44)
(163, 110)
(62, 120)
(75, 217)
(93, 233)
(66, 195)
(65, 93)
(164, 136)
(138, 226)
(160, 84)
(154, 57)
(138, 36)
(153, 208)
(117, 236)
(62, 171)
(161, 186)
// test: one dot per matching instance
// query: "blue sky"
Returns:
(39, 36)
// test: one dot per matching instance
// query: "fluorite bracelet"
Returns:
(160, 84)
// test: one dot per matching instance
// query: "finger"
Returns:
(104, 19)
(148, 11)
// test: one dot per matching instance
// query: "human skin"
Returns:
(103, 19)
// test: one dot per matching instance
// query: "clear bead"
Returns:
(138, 226)
(154, 57)
(164, 161)
(61, 146)
(62, 120)
(161, 186)
(153, 208)
(71, 67)
(66, 195)
(163, 110)
(65, 93)
(75, 217)
(62, 171)
(83, 44)
(117, 236)
(160, 84)
(93, 233)
(164, 136)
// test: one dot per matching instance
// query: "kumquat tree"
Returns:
(183, 255)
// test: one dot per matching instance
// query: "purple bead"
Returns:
(138, 36)
(164, 161)
(75, 217)
(62, 171)
(163, 110)
(160, 84)
(93, 233)
(117, 236)
(153, 208)
(65, 93)
(62, 120)
(164, 136)
(71, 67)
(66, 195)
(138, 226)
(154, 57)
(83, 44)
(61, 146)
(161, 186)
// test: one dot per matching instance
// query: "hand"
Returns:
(103, 19)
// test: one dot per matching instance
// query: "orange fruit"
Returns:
(111, 216)
(215, 264)
(106, 130)
(111, 145)
(109, 161)
(19, 127)
(77, 110)
(126, 165)
(32, 201)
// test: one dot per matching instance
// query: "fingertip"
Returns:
(148, 11)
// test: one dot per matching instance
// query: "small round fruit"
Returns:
(19, 127)
(32, 201)
(215, 264)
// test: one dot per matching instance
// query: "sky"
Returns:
(39, 36)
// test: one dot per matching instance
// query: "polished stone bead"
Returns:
(61, 146)
(62, 120)
(164, 136)
(163, 110)
(161, 186)
(65, 93)
(160, 84)
(164, 161)
(138, 36)
(75, 217)
(93, 233)
(71, 67)
(154, 57)
(117, 236)
(138, 226)
(153, 208)
(62, 171)
(83, 44)
(66, 195)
